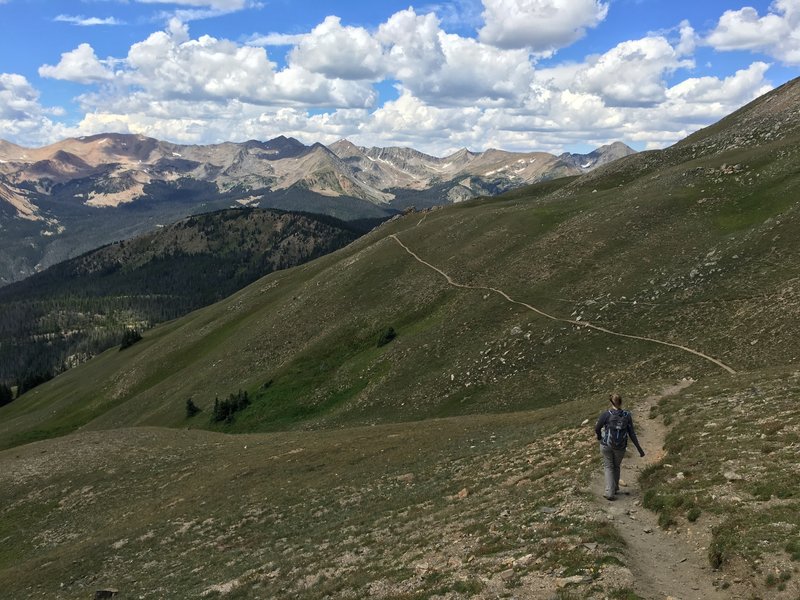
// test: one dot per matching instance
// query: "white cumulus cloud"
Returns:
(540, 25)
(776, 34)
(630, 74)
(449, 69)
(80, 65)
(339, 52)
(22, 118)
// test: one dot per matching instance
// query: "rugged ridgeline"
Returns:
(70, 312)
(70, 197)
(659, 266)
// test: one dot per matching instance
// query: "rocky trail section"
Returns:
(585, 324)
(664, 564)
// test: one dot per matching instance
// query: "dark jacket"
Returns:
(603, 419)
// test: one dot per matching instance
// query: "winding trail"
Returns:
(664, 565)
(585, 324)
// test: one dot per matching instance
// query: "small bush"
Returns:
(191, 408)
(665, 520)
(693, 514)
(6, 396)
(386, 336)
(793, 548)
(129, 338)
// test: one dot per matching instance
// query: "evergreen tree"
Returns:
(129, 338)
(191, 408)
(386, 336)
(5, 394)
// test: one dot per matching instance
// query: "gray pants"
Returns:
(612, 461)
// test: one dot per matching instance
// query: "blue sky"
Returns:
(548, 75)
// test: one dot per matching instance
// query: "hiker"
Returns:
(613, 428)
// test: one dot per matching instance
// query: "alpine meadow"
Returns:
(411, 415)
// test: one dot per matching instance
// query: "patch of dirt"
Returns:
(665, 564)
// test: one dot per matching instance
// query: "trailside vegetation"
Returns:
(224, 410)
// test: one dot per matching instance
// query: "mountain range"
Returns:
(56, 202)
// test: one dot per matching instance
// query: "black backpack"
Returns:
(615, 434)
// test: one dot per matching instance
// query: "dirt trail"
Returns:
(664, 565)
(585, 324)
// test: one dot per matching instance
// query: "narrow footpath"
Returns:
(665, 565)
(540, 312)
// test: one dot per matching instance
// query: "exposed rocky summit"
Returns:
(50, 197)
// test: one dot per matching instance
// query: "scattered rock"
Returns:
(462, 494)
(524, 561)
(548, 510)
(507, 574)
(584, 422)
(106, 593)
(565, 581)
(406, 478)
(732, 476)
(590, 546)
(647, 530)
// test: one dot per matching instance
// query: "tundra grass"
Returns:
(731, 466)
(472, 505)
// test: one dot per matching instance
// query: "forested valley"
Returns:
(76, 309)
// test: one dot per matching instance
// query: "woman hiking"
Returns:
(613, 428)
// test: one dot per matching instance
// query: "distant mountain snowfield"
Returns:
(117, 168)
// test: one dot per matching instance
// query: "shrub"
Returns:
(693, 514)
(5, 394)
(793, 548)
(386, 336)
(191, 408)
(224, 410)
(31, 380)
(129, 338)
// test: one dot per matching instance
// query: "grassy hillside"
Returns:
(449, 460)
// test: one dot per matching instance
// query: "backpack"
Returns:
(615, 434)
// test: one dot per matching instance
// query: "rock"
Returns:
(524, 561)
(565, 581)
(548, 510)
(516, 331)
(732, 476)
(462, 494)
(422, 568)
(507, 574)
(647, 530)
(406, 478)
(590, 546)
(584, 422)
(106, 593)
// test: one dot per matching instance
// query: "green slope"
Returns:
(697, 252)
